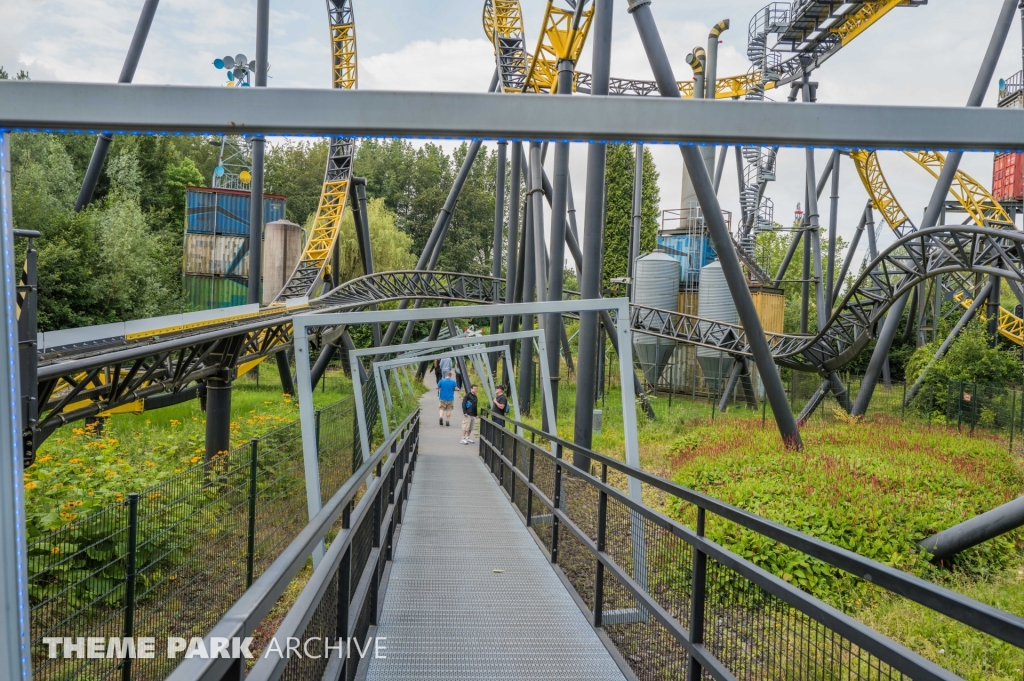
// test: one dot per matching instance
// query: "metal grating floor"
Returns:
(447, 614)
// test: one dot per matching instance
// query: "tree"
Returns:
(296, 169)
(969, 359)
(389, 245)
(619, 178)
(414, 184)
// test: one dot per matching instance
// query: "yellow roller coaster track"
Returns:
(520, 71)
(979, 203)
(558, 40)
(314, 262)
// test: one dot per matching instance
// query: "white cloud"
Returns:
(447, 66)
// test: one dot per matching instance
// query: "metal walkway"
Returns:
(471, 595)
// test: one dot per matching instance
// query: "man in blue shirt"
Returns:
(446, 395)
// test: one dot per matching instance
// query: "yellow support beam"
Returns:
(861, 20)
(557, 41)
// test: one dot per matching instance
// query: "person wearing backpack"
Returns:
(500, 405)
(469, 413)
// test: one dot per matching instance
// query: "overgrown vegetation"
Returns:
(79, 470)
(875, 487)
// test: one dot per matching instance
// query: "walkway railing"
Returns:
(675, 603)
(340, 599)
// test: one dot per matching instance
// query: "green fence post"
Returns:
(974, 407)
(129, 579)
(959, 406)
(316, 420)
(764, 410)
(1013, 414)
(250, 544)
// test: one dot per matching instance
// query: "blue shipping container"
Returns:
(692, 251)
(225, 211)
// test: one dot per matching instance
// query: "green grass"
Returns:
(875, 487)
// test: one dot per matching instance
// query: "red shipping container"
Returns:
(1008, 177)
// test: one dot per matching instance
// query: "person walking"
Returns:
(437, 372)
(499, 405)
(469, 413)
(446, 400)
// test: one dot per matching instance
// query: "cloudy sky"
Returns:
(913, 56)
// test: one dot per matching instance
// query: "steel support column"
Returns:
(131, 62)
(844, 270)
(935, 204)
(776, 393)
(833, 225)
(15, 660)
(553, 327)
(257, 145)
(218, 416)
(593, 228)
(499, 228)
(634, 231)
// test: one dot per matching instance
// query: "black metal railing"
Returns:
(171, 559)
(340, 600)
(677, 605)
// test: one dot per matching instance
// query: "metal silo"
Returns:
(655, 284)
(715, 303)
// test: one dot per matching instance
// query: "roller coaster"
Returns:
(94, 372)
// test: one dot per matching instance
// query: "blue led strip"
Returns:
(11, 343)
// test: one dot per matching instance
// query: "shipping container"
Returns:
(209, 292)
(215, 254)
(225, 211)
(770, 304)
(1008, 177)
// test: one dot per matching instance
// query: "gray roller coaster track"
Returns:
(83, 381)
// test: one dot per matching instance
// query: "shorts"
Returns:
(467, 425)
(447, 405)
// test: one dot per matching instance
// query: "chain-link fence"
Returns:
(171, 559)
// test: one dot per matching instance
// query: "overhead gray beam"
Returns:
(97, 107)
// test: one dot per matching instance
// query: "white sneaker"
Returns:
(463, 441)
(470, 440)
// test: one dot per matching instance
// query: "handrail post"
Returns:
(557, 503)
(513, 458)
(344, 589)
(529, 491)
(602, 519)
(316, 426)
(697, 598)
(250, 548)
(129, 579)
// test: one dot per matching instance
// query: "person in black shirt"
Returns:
(469, 413)
(500, 405)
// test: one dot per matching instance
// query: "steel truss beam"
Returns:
(348, 113)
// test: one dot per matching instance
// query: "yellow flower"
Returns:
(55, 550)
(44, 459)
(75, 460)
(30, 485)
(150, 463)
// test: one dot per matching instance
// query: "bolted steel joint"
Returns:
(634, 4)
